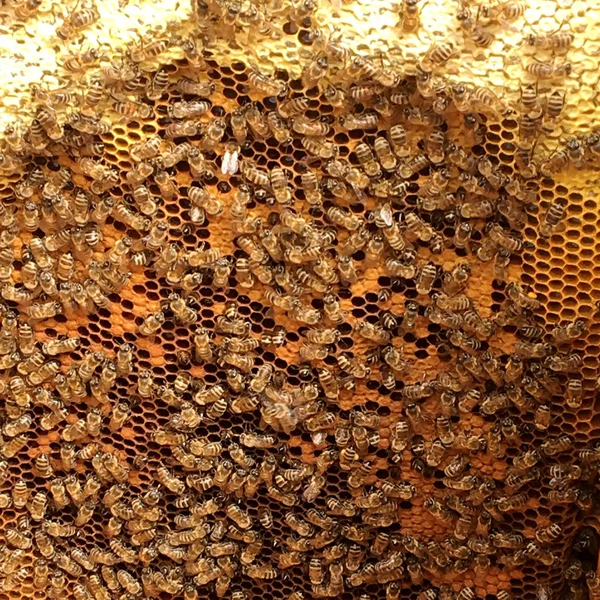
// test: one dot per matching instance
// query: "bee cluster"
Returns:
(265, 335)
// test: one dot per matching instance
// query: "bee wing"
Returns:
(225, 163)
(233, 163)
(386, 215)
(359, 193)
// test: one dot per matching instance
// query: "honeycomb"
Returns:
(290, 312)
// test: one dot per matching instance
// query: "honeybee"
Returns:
(279, 186)
(253, 174)
(566, 363)
(213, 134)
(374, 333)
(152, 323)
(574, 393)
(172, 483)
(41, 572)
(504, 240)
(278, 128)
(310, 127)
(575, 150)
(555, 214)
(409, 16)
(43, 466)
(437, 510)
(16, 426)
(76, 21)
(261, 571)
(569, 332)
(55, 529)
(436, 56)
(543, 70)
(522, 298)
(46, 117)
(551, 41)
(366, 121)
(426, 278)
(314, 71)
(265, 84)
(325, 149)
(44, 544)
(367, 159)
(417, 226)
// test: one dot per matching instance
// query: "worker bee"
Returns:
(345, 219)
(437, 510)
(367, 160)
(43, 466)
(409, 16)
(213, 134)
(569, 332)
(397, 140)
(37, 138)
(143, 151)
(555, 102)
(76, 21)
(182, 312)
(46, 117)
(172, 483)
(293, 106)
(289, 559)
(56, 529)
(129, 582)
(265, 84)
(366, 121)
(41, 572)
(278, 128)
(123, 361)
(145, 385)
(555, 214)
(38, 506)
(311, 188)
(16, 426)
(255, 119)
(540, 554)
(426, 278)
(261, 571)
(436, 56)
(529, 97)
(543, 70)
(575, 150)
(44, 544)
(152, 323)
(94, 422)
(314, 71)
(325, 149)
(551, 41)
(522, 298)
(279, 186)
(310, 127)
(238, 125)
(90, 362)
(549, 534)
(574, 393)
(542, 417)
(418, 227)
(254, 175)
(31, 216)
(566, 363)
